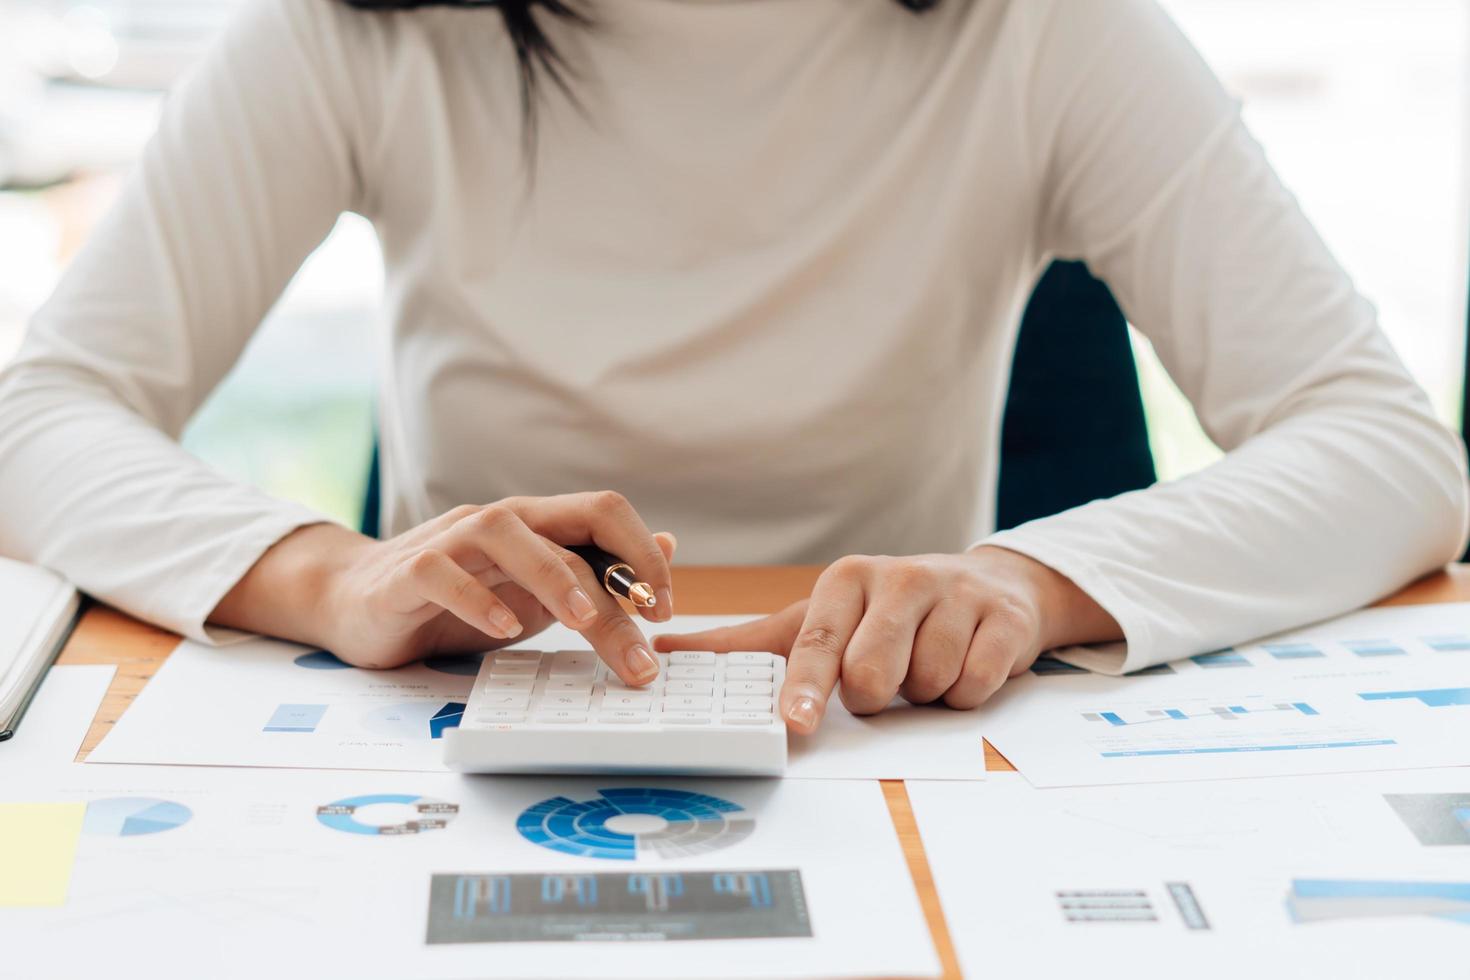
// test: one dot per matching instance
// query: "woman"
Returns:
(757, 267)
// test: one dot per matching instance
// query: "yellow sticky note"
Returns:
(38, 845)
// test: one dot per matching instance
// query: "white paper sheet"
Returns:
(1071, 728)
(57, 720)
(265, 703)
(212, 872)
(1192, 880)
(1389, 638)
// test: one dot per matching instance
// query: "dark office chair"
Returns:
(1465, 398)
(1074, 429)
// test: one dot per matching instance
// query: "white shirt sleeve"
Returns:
(249, 170)
(1338, 484)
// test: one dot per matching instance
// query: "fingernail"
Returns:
(640, 663)
(504, 621)
(665, 608)
(580, 605)
(803, 712)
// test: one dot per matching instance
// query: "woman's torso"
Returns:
(764, 282)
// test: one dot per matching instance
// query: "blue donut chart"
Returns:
(693, 823)
(429, 814)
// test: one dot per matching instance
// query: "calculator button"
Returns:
(560, 718)
(748, 673)
(689, 687)
(564, 700)
(687, 702)
(624, 717)
(498, 717)
(504, 699)
(574, 683)
(514, 682)
(573, 662)
(688, 672)
(640, 701)
(684, 718)
(616, 690)
(513, 668)
(747, 704)
(749, 688)
(690, 659)
(518, 656)
(748, 659)
(748, 718)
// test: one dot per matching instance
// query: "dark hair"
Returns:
(534, 50)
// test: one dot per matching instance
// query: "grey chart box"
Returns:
(1436, 819)
(617, 906)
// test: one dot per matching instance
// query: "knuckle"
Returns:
(610, 622)
(929, 677)
(610, 502)
(463, 588)
(555, 563)
(849, 566)
(1013, 611)
(868, 681)
(885, 624)
(983, 675)
(821, 639)
(426, 562)
(912, 576)
(494, 518)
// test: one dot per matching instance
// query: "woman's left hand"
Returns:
(949, 628)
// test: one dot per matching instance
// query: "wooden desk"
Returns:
(105, 636)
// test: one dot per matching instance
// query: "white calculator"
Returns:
(705, 714)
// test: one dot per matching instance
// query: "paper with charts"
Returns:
(266, 703)
(1345, 876)
(51, 732)
(1371, 698)
(459, 877)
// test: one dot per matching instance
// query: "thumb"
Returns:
(775, 633)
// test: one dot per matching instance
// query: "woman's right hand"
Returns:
(471, 579)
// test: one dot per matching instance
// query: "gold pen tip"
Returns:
(642, 595)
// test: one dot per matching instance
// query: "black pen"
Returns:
(616, 575)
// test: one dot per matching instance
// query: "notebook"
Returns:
(37, 612)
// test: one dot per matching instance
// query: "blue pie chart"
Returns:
(620, 824)
(131, 816)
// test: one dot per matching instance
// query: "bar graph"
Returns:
(1222, 658)
(1223, 712)
(1293, 651)
(1375, 648)
(1444, 697)
(1212, 725)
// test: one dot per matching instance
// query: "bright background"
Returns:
(1362, 106)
